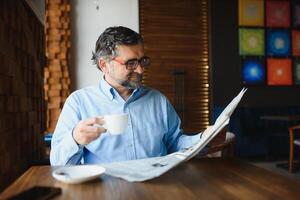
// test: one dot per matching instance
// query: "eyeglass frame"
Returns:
(139, 62)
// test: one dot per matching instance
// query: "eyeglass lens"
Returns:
(133, 63)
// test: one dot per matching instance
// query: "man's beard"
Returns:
(130, 84)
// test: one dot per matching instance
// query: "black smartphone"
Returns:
(37, 193)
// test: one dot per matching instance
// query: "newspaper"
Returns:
(149, 168)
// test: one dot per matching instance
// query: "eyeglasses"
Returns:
(132, 64)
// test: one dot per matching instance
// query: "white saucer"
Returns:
(78, 173)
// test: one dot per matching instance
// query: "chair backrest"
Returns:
(222, 144)
(297, 142)
(220, 138)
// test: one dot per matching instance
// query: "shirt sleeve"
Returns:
(64, 149)
(175, 138)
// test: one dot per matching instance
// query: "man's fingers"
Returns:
(88, 130)
(97, 129)
(94, 120)
(90, 121)
(92, 135)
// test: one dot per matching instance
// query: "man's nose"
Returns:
(139, 69)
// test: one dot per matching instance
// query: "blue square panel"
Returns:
(278, 43)
(253, 71)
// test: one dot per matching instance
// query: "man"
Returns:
(153, 125)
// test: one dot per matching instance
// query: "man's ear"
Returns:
(102, 65)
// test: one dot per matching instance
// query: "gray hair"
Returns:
(110, 39)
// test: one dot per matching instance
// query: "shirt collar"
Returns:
(107, 89)
(110, 92)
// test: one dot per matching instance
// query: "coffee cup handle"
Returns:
(97, 125)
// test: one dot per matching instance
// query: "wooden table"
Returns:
(286, 118)
(196, 179)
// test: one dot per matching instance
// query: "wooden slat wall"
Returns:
(22, 105)
(57, 80)
(176, 39)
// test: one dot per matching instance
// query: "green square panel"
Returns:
(251, 42)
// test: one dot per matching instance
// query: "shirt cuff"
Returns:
(196, 138)
(188, 140)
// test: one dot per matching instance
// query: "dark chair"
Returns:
(293, 142)
(222, 145)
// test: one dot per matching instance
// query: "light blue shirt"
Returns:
(153, 127)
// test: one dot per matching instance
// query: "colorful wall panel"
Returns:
(269, 42)
(253, 71)
(251, 42)
(251, 13)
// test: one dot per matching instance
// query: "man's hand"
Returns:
(88, 130)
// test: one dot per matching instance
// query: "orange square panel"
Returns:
(279, 71)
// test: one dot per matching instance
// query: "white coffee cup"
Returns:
(116, 124)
